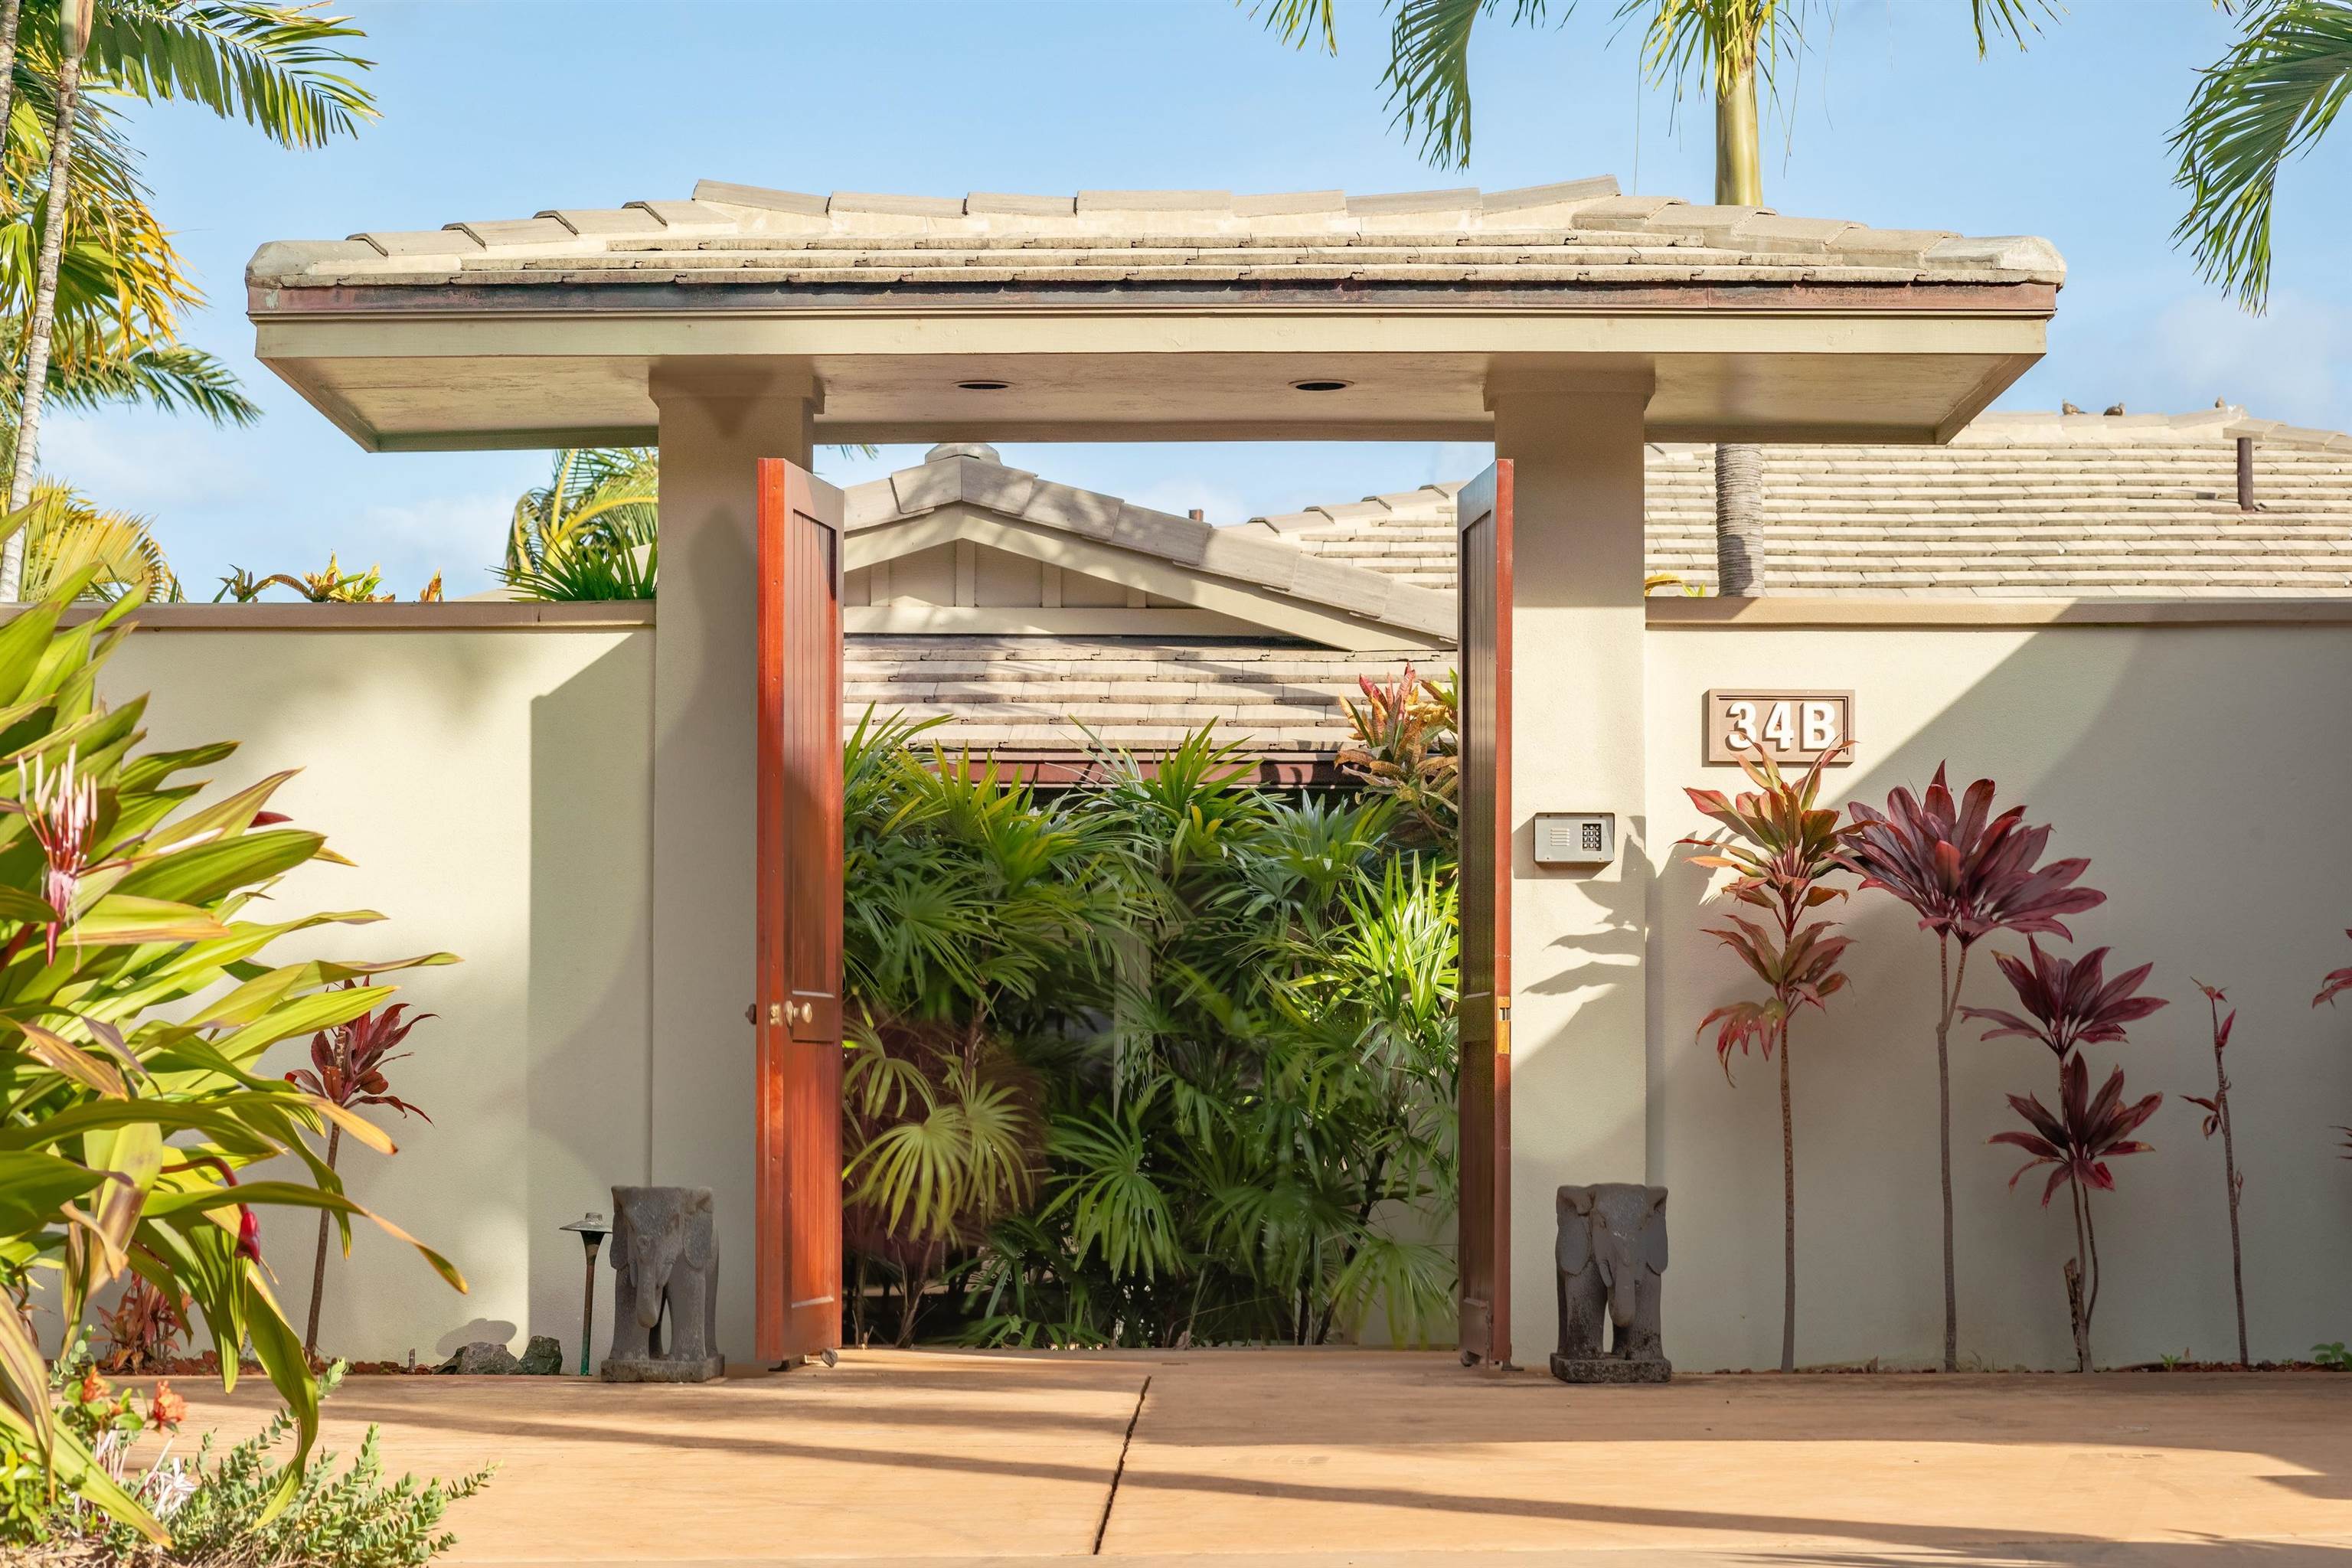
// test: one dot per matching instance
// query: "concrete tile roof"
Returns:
(971, 471)
(1034, 693)
(1579, 230)
(2020, 505)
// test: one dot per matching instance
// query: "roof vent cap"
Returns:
(979, 449)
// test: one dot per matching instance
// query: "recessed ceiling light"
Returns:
(982, 386)
(1318, 385)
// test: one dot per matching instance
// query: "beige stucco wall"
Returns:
(495, 788)
(2204, 771)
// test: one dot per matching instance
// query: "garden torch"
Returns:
(592, 1231)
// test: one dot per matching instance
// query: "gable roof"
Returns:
(2022, 505)
(1574, 232)
(1265, 581)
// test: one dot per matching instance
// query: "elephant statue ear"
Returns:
(1653, 1232)
(701, 1236)
(1575, 1239)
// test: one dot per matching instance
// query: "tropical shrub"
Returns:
(2217, 1119)
(1167, 1058)
(142, 1329)
(347, 1065)
(64, 533)
(592, 531)
(137, 995)
(2070, 1003)
(332, 586)
(226, 1511)
(1784, 845)
(1969, 874)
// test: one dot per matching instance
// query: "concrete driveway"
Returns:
(1375, 1459)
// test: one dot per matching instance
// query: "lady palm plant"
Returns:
(1783, 848)
(138, 994)
(1164, 1059)
(1967, 873)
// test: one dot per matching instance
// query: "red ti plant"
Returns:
(1782, 847)
(347, 1065)
(2338, 981)
(2217, 1119)
(2071, 1003)
(1969, 874)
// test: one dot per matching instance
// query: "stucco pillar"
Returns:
(1578, 1007)
(716, 424)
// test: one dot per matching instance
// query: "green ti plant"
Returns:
(141, 983)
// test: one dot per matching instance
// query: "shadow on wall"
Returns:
(590, 972)
(2200, 771)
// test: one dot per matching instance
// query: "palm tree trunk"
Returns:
(1788, 1215)
(11, 13)
(318, 1267)
(1738, 468)
(73, 29)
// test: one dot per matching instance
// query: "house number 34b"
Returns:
(1789, 726)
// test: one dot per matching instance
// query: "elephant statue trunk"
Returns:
(1611, 1262)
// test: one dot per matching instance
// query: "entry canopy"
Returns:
(1176, 315)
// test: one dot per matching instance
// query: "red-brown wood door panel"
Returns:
(1484, 1012)
(798, 1006)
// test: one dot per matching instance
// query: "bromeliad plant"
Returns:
(1403, 744)
(2217, 1119)
(1784, 845)
(1969, 874)
(137, 996)
(2070, 1003)
(347, 1065)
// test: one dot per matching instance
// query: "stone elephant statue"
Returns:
(665, 1268)
(1612, 1262)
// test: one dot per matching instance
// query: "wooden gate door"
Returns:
(1483, 511)
(798, 1004)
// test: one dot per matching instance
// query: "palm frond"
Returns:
(2275, 93)
(281, 68)
(2020, 21)
(1299, 22)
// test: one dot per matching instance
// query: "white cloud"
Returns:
(128, 463)
(2293, 363)
(2179, 352)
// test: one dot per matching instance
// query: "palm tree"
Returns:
(1725, 44)
(121, 284)
(279, 66)
(63, 533)
(2270, 98)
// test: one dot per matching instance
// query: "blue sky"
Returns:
(500, 108)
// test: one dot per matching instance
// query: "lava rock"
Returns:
(543, 1357)
(483, 1358)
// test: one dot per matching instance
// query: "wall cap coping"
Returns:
(1666, 614)
(457, 615)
